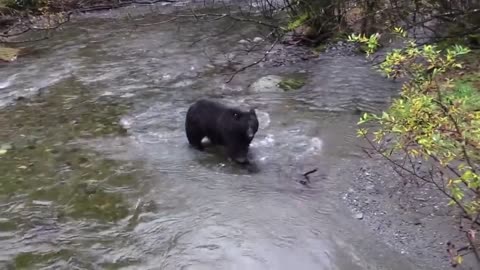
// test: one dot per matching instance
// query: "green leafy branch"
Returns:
(433, 120)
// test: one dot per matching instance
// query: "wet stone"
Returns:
(358, 216)
(370, 187)
(42, 203)
(91, 188)
(416, 221)
(268, 83)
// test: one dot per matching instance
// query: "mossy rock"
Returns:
(293, 82)
(8, 54)
(27, 260)
(474, 39)
(37, 163)
(320, 48)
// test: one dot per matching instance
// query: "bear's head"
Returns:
(244, 122)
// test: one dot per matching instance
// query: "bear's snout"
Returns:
(250, 132)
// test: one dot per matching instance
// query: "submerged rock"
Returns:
(291, 84)
(275, 83)
(268, 83)
(358, 216)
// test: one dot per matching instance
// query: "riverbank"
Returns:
(411, 217)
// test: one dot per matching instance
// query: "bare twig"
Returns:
(213, 35)
(29, 28)
(419, 177)
(156, 23)
(308, 173)
(307, 179)
(25, 41)
(254, 63)
(471, 240)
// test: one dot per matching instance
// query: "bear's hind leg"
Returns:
(195, 136)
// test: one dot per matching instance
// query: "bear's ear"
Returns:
(252, 111)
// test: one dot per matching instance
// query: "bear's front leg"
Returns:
(237, 153)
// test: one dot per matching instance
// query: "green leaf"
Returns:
(459, 259)
(297, 22)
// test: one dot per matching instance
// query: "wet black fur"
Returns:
(222, 125)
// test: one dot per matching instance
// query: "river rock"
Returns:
(267, 84)
(42, 203)
(8, 54)
(359, 216)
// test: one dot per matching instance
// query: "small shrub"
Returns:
(436, 119)
(24, 4)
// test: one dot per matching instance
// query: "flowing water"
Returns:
(82, 195)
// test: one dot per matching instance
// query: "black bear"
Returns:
(230, 127)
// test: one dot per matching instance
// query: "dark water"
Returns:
(187, 209)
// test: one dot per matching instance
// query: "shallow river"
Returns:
(144, 199)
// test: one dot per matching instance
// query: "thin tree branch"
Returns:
(254, 63)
